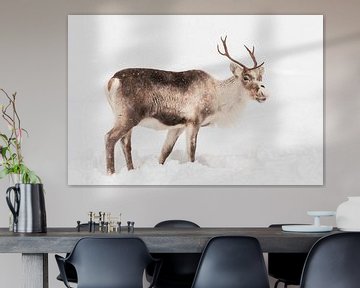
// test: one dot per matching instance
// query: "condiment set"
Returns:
(104, 222)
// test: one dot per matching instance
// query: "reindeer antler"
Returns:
(253, 57)
(226, 53)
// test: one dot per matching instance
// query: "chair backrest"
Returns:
(110, 262)
(232, 262)
(178, 269)
(176, 224)
(333, 262)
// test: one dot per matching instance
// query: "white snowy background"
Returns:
(278, 142)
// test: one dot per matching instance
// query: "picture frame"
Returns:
(277, 142)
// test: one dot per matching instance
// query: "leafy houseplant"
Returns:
(11, 159)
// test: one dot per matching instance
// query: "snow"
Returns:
(251, 169)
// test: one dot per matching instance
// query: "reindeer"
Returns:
(178, 102)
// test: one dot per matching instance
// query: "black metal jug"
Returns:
(28, 208)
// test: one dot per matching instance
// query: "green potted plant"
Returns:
(11, 159)
(25, 197)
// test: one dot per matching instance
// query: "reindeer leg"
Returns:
(126, 147)
(117, 132)
(172, 136)
(191, 138)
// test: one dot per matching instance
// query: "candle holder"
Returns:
(315, 227)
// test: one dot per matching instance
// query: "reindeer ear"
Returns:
(236, 69)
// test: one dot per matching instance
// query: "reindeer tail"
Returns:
(112, 89)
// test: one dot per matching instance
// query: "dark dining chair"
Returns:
(232, 262)
(108, 263)
(286, 267)
(70, 271)
(333, 262)
(178, 269)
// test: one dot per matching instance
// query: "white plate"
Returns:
(306, 228)
(321, 213)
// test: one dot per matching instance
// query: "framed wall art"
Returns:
(195, 100)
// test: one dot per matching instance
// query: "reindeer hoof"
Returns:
(110, 172)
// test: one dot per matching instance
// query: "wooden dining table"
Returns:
(35, 247)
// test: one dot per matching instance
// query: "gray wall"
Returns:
(33, 62)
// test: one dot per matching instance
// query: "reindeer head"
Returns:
(250, 78)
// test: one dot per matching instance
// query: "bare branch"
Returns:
(14, 123)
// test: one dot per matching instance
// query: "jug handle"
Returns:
(13, 208)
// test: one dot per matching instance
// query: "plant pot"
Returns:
(348, 214)
(27, 207)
